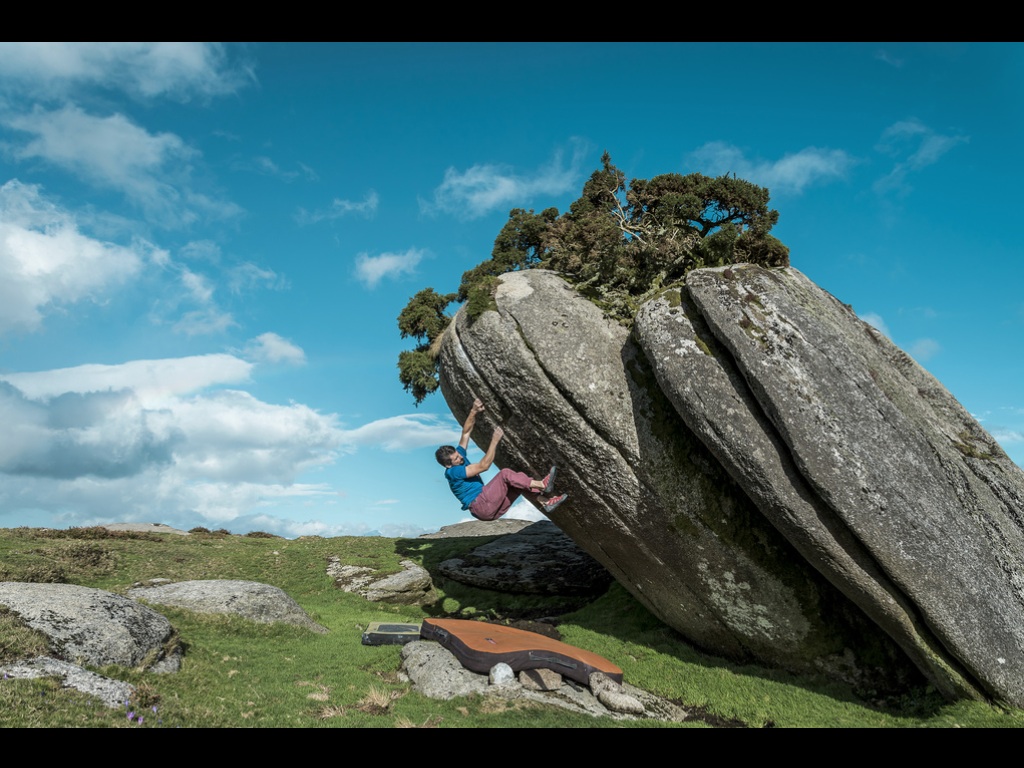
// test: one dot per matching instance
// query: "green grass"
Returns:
(237, 673)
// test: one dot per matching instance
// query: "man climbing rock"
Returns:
(490, 501)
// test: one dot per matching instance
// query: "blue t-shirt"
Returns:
(466, 489)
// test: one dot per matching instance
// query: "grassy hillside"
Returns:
(239, 674)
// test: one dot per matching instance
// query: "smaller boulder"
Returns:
(501, 674)
(252, 600)
(93, 626)
(541, 679)
(410, 586)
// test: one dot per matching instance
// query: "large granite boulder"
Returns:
(93, 626)
(766, 472)
(647, 499)
(875, 472)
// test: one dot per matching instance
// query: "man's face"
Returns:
(454, 459)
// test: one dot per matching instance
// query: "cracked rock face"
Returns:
(768, 474)
(647, 499)
(895, 462)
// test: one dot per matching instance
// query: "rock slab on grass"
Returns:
(112, 693)
(251, 600)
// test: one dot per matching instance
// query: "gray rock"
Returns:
(145, 528)
(437, 674)
(647, 499)
(94, 627)
(933, 500)
(614, 696)
(410, 586)
(501, 674)
(699, 377)
(251, 600)
(478, 528)
(541, 679)
(539, 559)
(112, 693)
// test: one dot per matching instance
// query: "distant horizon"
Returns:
(204, 247)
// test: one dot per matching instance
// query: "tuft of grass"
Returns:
(18, 641)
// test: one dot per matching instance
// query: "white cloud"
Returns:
(45, 261)
(198, 286)
(366, 208)
(914, 146)
(204, 322)
(153, 382)
(201, 250)
(1007, 436)
(246, 276)
(372, 269)
(924, 349)
(876, 321)
(791, 173)
(271, 348)
(403, 433)
(887, 58)
(486, 187)
(112, 152)
(267, 167)
(145, 69)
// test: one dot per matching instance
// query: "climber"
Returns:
(491, 500)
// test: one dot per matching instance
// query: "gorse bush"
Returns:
(619, 244)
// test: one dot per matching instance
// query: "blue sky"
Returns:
(204, 248)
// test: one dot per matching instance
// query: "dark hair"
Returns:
(444, 455)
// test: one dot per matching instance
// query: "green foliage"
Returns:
(618, 243)
(424, 319)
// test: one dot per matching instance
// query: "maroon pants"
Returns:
(499, 493)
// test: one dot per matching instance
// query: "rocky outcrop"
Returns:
(537, 560)
(861, 456)
(410, 586)
(251, 600)
(647, 499)
(95, 627)
(768, 474)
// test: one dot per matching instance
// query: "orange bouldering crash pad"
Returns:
(479, 646)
